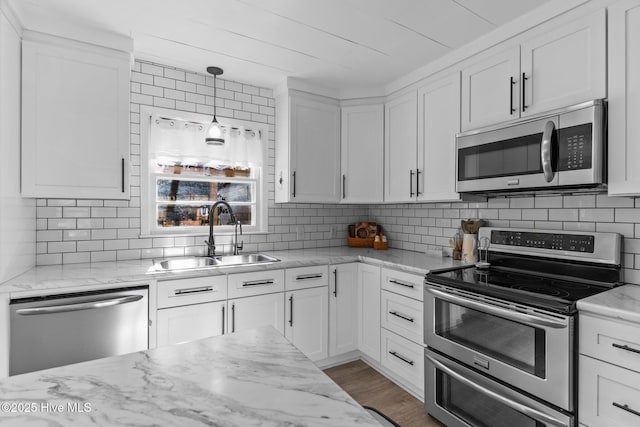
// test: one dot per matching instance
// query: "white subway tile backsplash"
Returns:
(90, 246)
(627, 215)
(76, 257)
(49, 259)
(103, 256)
(548, 202)
(53, 212)
(597, 215)
(57, 247)
(76, 235)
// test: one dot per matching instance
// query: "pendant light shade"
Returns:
(214, 132)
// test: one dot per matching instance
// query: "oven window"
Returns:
(476, 408)
(514, 343)
(517, 156)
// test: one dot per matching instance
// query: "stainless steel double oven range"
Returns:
(502, 338)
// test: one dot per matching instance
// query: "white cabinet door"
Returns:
(307, 321)
(400, 150)
(343, 315)
(256, 311)
(369, 311)
(565, 66)
(490, 90)
(191, 322)
(624, 98)
(315, 150)
(438, 123)
(362, 147)
(75, 119)
(609, 395)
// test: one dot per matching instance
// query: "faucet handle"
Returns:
(240, 246)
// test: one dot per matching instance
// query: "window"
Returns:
(183, 176)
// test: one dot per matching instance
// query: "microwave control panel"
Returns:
(555, 241)
(575, 147)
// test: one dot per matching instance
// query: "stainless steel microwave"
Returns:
(562, 149)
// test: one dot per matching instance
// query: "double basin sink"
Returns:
(200, 262)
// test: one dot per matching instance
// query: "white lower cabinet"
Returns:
(190, 322)
(255, 312)
(405, 359)
(369, 311)
(343, 299)
(609, 372)
(307, 321)
(190, 309)
(609, 395)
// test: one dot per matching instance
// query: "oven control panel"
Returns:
(555, 241)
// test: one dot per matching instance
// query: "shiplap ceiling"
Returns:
(333, 43)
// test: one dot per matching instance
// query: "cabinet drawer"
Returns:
(403, 283)
(608, 395)
(402, 315)
(616, 342)
(172, 293)
(404, 358)
(306, 277)
(256, 283)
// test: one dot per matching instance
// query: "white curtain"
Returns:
(182, 142)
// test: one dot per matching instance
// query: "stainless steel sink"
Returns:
(194, 262)
(244, 259)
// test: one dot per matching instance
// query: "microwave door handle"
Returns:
(507, 314)
(517, 406)
(545, 151)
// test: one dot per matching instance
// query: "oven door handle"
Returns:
(517, 406)
(512, 315)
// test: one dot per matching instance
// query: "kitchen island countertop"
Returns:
(253, 377)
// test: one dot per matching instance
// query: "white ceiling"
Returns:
(340, 44)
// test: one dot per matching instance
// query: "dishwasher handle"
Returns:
(64, 308)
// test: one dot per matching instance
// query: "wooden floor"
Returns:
(370, 388)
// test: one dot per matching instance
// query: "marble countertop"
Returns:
(253, 377)
(621, 303)
(99, 275)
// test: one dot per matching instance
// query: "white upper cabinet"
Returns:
(75, 119)
(307, 149)
(565, 66)
(624, 98)
(362, 147)
(438, 123)
(489, 90)
(549, 70)
(400, 148)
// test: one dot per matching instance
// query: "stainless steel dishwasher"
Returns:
(58, 330)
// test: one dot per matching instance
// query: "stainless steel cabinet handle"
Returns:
(625, 407)
(404, 359)
(507, 314)
(523, 409)
(418, 193)
(625, 347)
(522, 82)
(308, 276)
(511, 83)
(291, 310)
(335, 282)
(79, 306)
(395, 313)
(233, 317)
(406, 285)
(258, 283)
(294, 184)
(188, 291)
(545, 150)
(411, 173)
(223, 320)
(344, 186)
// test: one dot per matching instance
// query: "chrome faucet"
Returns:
(211, 245)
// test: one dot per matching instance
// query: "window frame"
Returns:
(148, 227)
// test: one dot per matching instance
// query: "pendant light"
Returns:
(214, 132)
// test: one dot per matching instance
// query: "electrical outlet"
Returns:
(333, 232)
